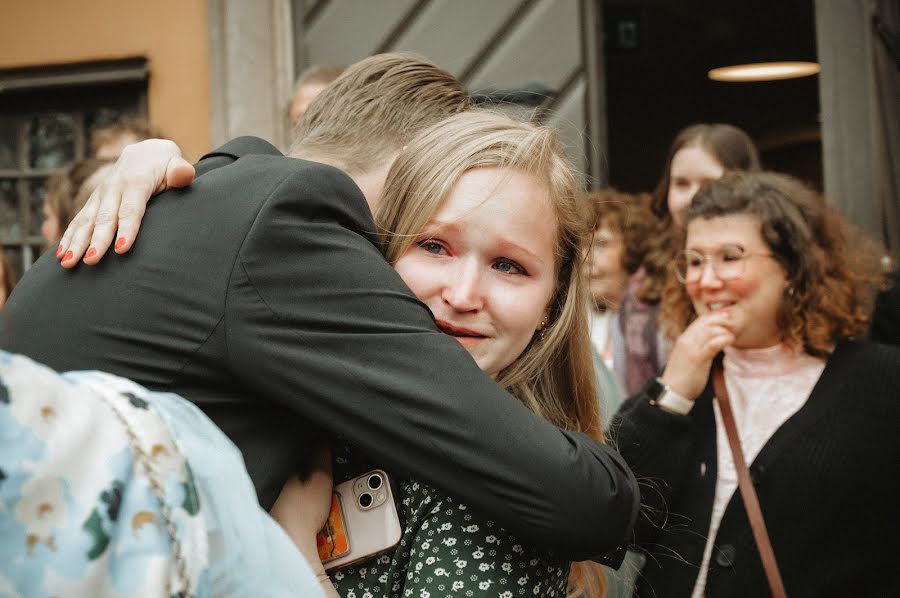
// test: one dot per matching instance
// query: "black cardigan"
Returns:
(828, 482)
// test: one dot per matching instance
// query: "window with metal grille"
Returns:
(47, 115)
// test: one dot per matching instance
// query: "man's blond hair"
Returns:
(371, 111)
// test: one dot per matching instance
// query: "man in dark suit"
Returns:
(260, 294)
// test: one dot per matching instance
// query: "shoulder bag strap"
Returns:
(751, 502)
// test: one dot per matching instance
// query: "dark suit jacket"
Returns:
(828, 483)
(260, 294)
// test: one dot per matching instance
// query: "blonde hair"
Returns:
(367, 114)
(554, 376)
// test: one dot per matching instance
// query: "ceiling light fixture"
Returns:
(764, 71)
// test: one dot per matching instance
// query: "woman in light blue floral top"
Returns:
(108, 489)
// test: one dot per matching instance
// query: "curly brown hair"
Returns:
(630, 216)
(833, 270)
(733, 149)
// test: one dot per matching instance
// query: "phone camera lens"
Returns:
(365, 500)
(375, 481)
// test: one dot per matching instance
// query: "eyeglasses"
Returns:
(727, 263)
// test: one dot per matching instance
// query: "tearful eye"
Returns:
(508, 267)
(431, 246)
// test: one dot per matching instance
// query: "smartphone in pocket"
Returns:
(363, 521)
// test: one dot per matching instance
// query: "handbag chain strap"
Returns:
(159, 493)
(748, 493)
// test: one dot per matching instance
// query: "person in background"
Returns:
(67, 192)
(309, 85)
(107, 142)
(623, 224)
(7, 279)
(772, 277)
(699, 153)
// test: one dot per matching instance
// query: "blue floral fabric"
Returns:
(108, 489)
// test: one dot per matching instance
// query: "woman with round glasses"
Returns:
(768, 276)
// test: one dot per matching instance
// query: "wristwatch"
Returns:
(659, 394)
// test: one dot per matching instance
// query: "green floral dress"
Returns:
(446, 550)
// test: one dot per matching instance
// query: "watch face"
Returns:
(654, 389)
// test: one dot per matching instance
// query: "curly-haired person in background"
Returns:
(772, 276)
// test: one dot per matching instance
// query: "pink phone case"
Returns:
(363, 521)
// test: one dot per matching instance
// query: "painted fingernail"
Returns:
(68, 256)
(59, 249)
(120, 242)
(91, 253)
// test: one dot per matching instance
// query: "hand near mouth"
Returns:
(688, 367)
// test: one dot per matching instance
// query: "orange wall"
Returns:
(171, 34)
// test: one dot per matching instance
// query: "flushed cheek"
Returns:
(742, 287)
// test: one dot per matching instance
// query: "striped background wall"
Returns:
(488, 44)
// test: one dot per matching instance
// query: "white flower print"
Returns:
(484, 585)
(42, 507)
(507, 567)
(449, 542)
(479, 553)
(471, 528)
(430, 560)
(492, 539)
(506, 594)
(441, 571)
(460, 563)
(523, 580)
(458, 585)
(445, 526)
(424, 594)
